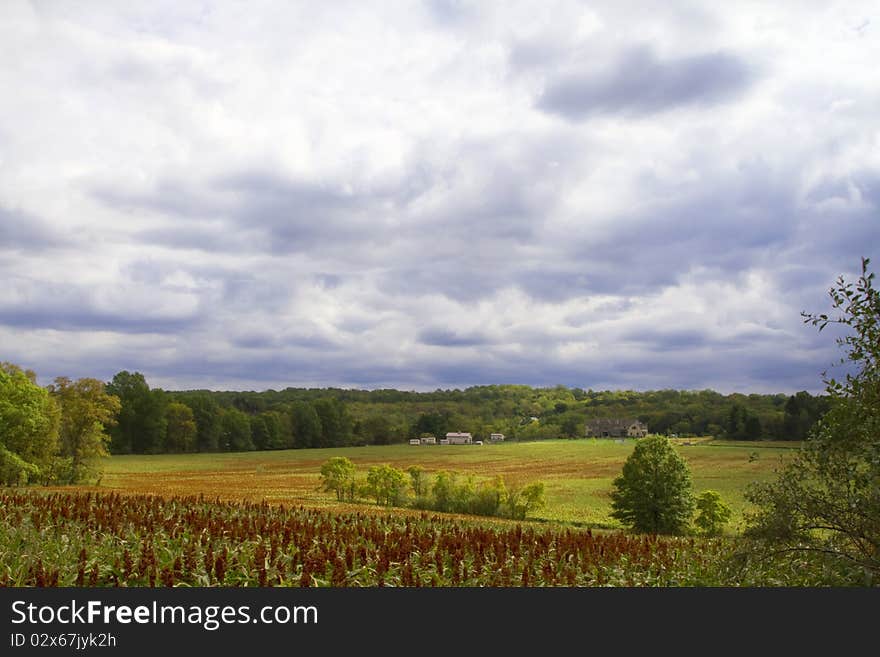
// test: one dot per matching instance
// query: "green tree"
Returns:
(337, 475)
(443, 490)
(259, 431)
(826, 501)
(572, 425)
(463, 494)
(181, 433)
(141, 425)
(417, 479)
(278, 430)
(86, 411)
(386, 484)
(653, 494)
(235, 431)
(377, 430)
(712, 513)
(29, 424)
(306, 425)
(432, 424)
(523, 501)
(206, 412)
(490, 497)
(802, 411)
(336, 425)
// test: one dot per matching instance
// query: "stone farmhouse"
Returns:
(457, 438)
(610, 427)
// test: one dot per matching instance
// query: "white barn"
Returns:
(459, 438)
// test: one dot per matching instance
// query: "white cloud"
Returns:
(371, 194)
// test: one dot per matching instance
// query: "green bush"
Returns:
(712, 514)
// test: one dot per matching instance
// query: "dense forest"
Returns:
(153, 420)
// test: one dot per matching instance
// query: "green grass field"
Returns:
(578, 474)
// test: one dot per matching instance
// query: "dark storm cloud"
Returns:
(498, 213)
(292, 369)
(838, 225)
(252, 210)
(725, 225)
(608, 270)
(462, 277)
(216, 239)
(769, 365)
(783, 372)
(296, 214)
(724, 371)
(245, 293)
(70, 307)
(465, 229)
(22, 231)
(264, 341)
(666, 340)
(62, 317)
(168, 197)
(445, 337)
(639, 83)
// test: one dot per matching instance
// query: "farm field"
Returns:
(578, 474)
(78, 539)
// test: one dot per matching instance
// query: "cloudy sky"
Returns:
(252, 195)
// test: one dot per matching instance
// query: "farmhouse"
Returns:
(496, 437)
(458, 438)
(610, 427)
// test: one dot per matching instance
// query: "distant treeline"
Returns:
(154, 421)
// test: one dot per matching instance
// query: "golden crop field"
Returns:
(578, 474)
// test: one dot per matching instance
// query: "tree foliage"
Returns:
(142, 423)
(206, 412)
(307, 429)
(653, 494)
(336, 424)
(87, 410)
(386, 484)
(417, 479)
(182, 432)
(235, 431)
(29, 425)
(827, 500)
(337, 475)
(522, 502)
(712, 513)
(447, 491)
(333, 417)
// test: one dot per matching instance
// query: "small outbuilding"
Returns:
(459, 438)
